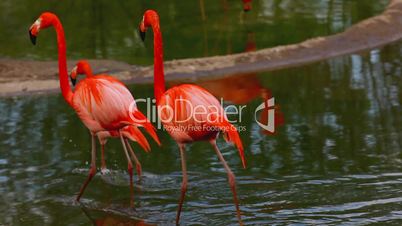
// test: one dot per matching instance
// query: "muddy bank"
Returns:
(19, 77)
(23, 77)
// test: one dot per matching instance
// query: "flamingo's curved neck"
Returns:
(159, 77)
(88, 71)
(63, 74)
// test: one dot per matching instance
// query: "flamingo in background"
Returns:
(131, 132)
(246, 5)
(102, 102)
(173, 110)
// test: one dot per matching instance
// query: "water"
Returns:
(108, 29)
(336, 160)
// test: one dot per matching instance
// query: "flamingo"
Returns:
(173, 111)
(103, 103)
(131, 132)
(246, 5)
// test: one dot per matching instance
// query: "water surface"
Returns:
(105, 29)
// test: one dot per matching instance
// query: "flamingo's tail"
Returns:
(135, 134)
(231, 135)
(142, 121)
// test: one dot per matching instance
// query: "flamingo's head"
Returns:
(82, 67)
(150, 18)
(44, 21)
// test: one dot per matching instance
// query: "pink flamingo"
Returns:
(173, 110)
(103, 103)
(131, 132)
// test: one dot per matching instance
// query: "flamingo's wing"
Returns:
(104, 103)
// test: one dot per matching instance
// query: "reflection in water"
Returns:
(342, 134)
(102, 219)
(242, 89)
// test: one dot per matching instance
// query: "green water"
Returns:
(108, 29)
(336, 160)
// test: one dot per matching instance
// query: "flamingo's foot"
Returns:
(105, 171)
(76, 201)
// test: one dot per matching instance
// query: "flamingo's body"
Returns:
(189, 96)
(182, 111)
(103, 103)
(176, 108)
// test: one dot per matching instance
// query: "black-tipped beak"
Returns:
(33, 37)
(73, 81)
(142, 34)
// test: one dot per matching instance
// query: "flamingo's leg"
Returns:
(104, 170)
(92, 170)
(129, 169)
(231, 178)
(134, 158)
(184, 183)
(102, 141)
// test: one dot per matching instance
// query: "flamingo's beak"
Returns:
(34, 30)
(74, 81)
(142, 30)
(32, 37)
(142, 34)
(73, 76)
